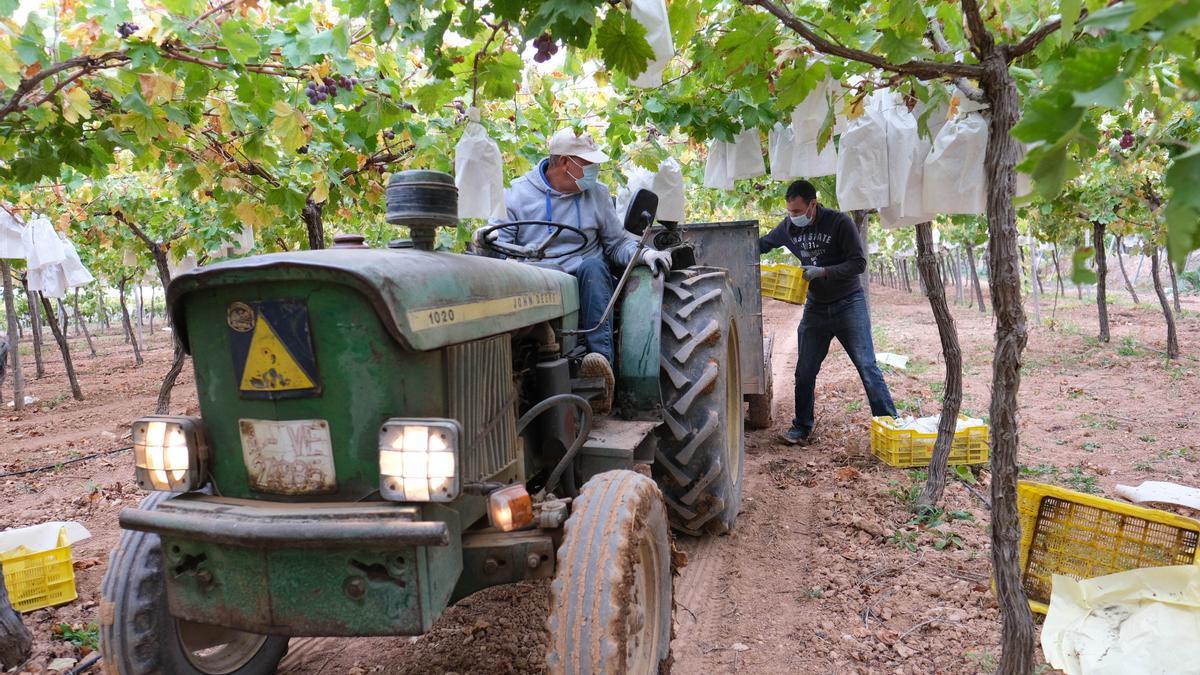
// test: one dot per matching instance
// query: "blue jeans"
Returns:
(595, 290)
(848, 321)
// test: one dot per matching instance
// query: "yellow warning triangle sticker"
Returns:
(269, 364)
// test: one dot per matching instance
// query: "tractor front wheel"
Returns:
(701, 443)
(610, 603)
(138, 636)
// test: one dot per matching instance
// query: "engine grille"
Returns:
(483, 399)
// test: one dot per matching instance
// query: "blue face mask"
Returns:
(589, 180)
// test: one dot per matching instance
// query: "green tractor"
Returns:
(385, 431)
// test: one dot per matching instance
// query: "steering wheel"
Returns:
(487, 239)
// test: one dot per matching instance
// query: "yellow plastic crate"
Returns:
(784, 282)
(904, 448)
(37, 579)
(1084, 536)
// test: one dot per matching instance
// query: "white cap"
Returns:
(565, 142)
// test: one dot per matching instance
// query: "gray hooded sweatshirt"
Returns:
(530, 197)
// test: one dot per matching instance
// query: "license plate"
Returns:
(291, 457)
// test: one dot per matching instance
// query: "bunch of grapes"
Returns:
(328, 88)
(127, 29)
(545, 48)
(1126, 140)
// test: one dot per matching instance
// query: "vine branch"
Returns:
(925, 70)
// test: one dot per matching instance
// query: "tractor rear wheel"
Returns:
(610, 603)
(701, 443)
(138, 636)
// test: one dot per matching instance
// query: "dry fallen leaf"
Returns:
(847, 473)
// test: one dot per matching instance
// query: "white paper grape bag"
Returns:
(812, 163)
(808, 117)
(652, 14)
(862, 165)
(668, 185)
(906, 170)
(954, 178)
(478, 173)
(42, 245)
(639, 179)
(77, 275)
(11, 245)
(746, 157)
(781, 152)
(716, 169)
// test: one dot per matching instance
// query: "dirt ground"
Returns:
(824, 571)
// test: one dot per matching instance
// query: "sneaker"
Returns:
(595, 365)
(796, 436)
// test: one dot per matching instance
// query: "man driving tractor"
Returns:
(563, 189)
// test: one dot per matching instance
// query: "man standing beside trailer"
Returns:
(832, 254)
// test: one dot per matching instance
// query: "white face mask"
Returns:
(802, 220)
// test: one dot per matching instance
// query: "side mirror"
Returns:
(641, 211)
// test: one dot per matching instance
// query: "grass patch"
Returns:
(81, 636)
(1099, 422)
(1090, 446)
(1129, 347)
(1038, 470)
(854, 406)
(1081, 481)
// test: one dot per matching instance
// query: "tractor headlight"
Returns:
(170, 453)
(418, 460)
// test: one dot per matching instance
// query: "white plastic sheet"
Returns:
(42, 245)
(716, 169)
(76, 274)
(954, 177)
(907, 150)
(746, 159)
(639, 179)
(478, 173)
(11, 245)
(668, 185)
(652, 14)
(1137, 622)
(862, 167)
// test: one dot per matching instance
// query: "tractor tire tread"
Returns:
(702, 491)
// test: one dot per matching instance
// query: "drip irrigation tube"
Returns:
(56, 465)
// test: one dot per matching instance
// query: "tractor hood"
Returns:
(426, 300)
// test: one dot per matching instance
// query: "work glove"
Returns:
(813, 272)
(659, 262)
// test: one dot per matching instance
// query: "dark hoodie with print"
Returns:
(831, 241)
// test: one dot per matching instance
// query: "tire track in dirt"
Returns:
(729, 615)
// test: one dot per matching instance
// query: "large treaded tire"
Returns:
(611, 599)
(701, 443)
(138, 636)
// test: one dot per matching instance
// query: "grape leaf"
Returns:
(500, 77)
(1069, 11)
(1048, 118)
(1183, 206)
(238, 38)
(751, 39)
(1080, 272)
(622, 43)
(77, 105)
(683, 15)
(290, 126)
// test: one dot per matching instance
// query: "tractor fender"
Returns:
(640, 330)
